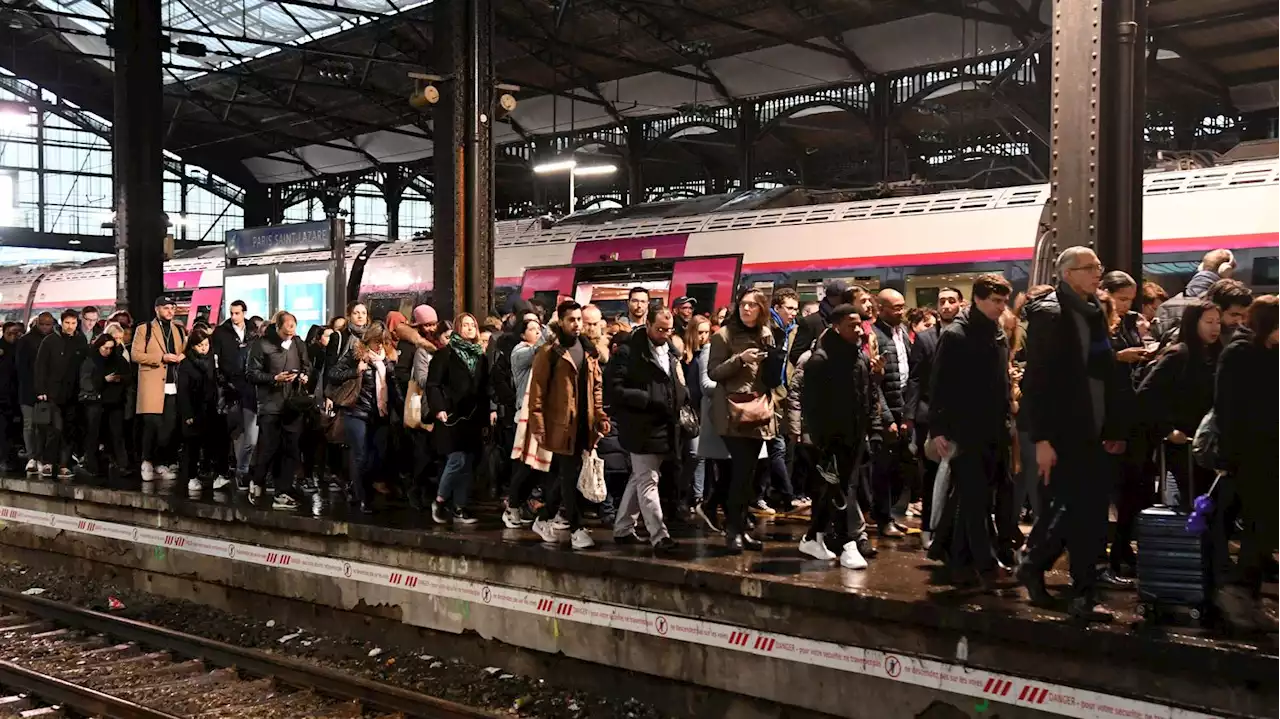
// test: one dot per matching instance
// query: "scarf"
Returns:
(1098, 350)
(377, 359)
(786, 340)
(466, 350)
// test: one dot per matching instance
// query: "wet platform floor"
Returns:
(900, 573)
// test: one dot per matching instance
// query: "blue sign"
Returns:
(279, 239)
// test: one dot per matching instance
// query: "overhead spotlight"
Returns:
(424, 94)
(506, 104)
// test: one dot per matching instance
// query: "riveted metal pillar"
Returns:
(463, 218)
(748, 133)
(636, 148)
(1097, 119)
(137, 166)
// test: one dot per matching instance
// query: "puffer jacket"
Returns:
(891, 384)
(644, 399)
(348, 368)
(735, 377)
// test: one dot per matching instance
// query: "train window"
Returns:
(922, 290)
(548, 299)
(380, 306)
(1266, 272)
(813, 290)
(704, 293)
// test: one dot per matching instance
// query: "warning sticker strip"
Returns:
(919, 671)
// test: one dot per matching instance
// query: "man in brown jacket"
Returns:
(566, 416)
(157, 348)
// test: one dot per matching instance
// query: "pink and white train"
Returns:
(914, 243)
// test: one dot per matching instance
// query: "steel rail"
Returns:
(321, 680)
(83, 700)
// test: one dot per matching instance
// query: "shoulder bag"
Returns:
(345, 394)
(748, 409)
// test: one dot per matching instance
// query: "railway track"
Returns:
(60, 660)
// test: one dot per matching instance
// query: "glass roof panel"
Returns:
(234, 31)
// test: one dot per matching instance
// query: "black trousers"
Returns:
(563, 493)
(887, 478)
(836, 511)
(744, 453)
(157, 433)
(1075, 515)
(55, 448)
(278, 441)
(208, 446)
(965, 536)
(104, 425)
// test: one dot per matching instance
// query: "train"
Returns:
(710, 247)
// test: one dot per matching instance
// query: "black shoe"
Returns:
(628, 540)
(1109, 578)
(751, 543)
(1087, 610)
(666, 545)
(733, 543)
(866, 548)
(1034, 582)
(366, 508)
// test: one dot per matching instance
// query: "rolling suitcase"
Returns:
(1173, 566)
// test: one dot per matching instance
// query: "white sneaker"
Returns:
(148, 472)
(33, 467)
(166, 473)
(195, 485)
(46, 470)
(926, 540)
(221, 482)
(255, 490)
(582, 539)
(560, 524)
(546, 531)
(817, 549)
(762, 507)
(511, 518)
(851, 558)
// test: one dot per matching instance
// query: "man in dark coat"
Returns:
(969, 416)
(645, 393)
(915, 409)
(56, 373)
(26, 349)
(1071, 393)
(10, 415)
(839, 406)
(278, 362)
(231, 342)
(894, 345)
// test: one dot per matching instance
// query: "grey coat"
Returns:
(710, 446)
(522, 366)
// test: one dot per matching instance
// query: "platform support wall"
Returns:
(138, 170)
(1097, 119)
(463, 225)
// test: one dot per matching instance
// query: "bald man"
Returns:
(894, 347)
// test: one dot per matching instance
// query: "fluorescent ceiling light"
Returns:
(595, 170)
(556, 166)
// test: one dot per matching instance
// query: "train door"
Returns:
(710, 281)
(207, 303)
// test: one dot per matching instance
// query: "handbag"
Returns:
(748, 409)
(413, 406)
(591, 478)
(296, 399)
(345, 393)
(690, 424)
(42, 414)
(88, 396)
(331, 423)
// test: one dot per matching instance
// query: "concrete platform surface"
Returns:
(901, 592)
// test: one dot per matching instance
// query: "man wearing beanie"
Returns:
(158, 348)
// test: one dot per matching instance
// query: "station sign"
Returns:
(279, 239)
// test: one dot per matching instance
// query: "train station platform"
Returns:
(886, 642)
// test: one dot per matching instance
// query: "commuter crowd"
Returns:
(978, 416)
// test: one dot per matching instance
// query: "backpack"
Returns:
(1204, 446)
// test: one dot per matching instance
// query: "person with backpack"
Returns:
(57, 368)
(158, 350)
(1216, 265)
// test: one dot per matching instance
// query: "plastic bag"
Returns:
(941, 484)
(591, 478)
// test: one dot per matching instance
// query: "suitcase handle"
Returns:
(1164, 474)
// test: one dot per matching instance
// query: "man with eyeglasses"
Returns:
(1071, 393)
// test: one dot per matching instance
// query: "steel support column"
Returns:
(257, 206)
(1097, 117)
(748, 133)
(636, 149)
(138, 165)
(463, 218)
(882, 127)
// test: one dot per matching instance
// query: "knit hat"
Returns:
(423, 315)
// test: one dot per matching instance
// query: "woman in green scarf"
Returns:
(458, 401)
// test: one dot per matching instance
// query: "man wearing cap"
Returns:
(158, 348)
(684, 308)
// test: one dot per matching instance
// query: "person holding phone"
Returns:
(102, 393)
(278, 363)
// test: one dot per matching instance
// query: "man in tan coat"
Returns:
(157, 348)
(566, 416)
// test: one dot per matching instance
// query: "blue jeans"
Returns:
(366, 446)
(777, 474)
(247, 441)
(455, 480)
